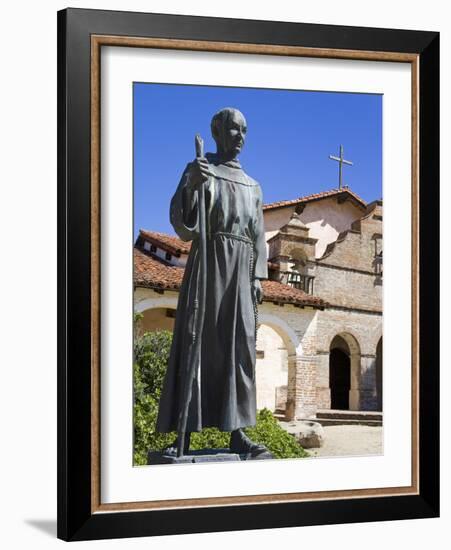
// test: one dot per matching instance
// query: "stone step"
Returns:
(349, 415)
(279, 414)
(337, 418)
(345, 422)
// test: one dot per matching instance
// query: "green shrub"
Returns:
(269, 432)
(151, 354)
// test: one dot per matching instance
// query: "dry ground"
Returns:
(351, 440)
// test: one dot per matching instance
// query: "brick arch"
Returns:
(288, 335)
(355, 366)
(349, 337)
(373, 345)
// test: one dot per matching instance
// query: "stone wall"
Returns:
(344, 287)
(296, 342)
(347, 275)
(362, 332)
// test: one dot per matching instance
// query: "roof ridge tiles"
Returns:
(316, 196)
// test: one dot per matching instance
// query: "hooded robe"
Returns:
(223, 392)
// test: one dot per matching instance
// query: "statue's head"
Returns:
(228, 128)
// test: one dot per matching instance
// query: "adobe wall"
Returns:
(339, 218)
(271, 370)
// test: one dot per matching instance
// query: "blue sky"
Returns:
(290, 136)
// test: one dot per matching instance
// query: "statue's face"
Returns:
(232, 134)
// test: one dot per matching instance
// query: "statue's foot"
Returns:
(241, 444)
(172, 450)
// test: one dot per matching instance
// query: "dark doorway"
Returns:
(340, 379)
(379, 375)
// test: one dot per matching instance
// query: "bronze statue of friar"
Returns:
(210, 379)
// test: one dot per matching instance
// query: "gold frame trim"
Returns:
(97, 41)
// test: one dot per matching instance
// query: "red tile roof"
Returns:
(171, 243)
(151, 272)
(318, 196)
(273, 291)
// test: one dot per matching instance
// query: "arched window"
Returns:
(298, 276)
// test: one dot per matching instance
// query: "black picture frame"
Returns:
(76, 518)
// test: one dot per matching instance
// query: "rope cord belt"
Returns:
(232, 236)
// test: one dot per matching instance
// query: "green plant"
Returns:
(151, 354)
(269, 432)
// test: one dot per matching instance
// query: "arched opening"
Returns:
(158, 318)
(379, 385)
(299, 276)
(277, 345)
(340, 379)
(344, 373)
(339, 374)
(276, 342)
(271, 370)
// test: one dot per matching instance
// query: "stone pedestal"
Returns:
(203, 456)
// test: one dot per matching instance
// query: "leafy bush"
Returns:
(151, 354)
(269, 432)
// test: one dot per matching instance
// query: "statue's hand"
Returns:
(198, 172)
(257, 291)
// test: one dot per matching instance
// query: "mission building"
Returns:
(319, 343)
